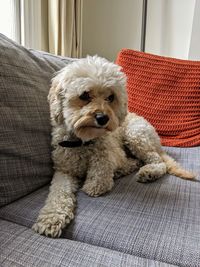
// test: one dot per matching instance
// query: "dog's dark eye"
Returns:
(110, 98)
(85, 96)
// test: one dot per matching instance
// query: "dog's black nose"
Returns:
(101, 118)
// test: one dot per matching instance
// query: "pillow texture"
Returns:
(165, 91)
(25, 131)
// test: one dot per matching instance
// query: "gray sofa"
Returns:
(156, 224)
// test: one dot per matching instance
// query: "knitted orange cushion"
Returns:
(166, 92)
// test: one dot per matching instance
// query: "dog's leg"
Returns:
(129, 166)
(154, 169)
(59, 207)
(143, 142)
(99, 178)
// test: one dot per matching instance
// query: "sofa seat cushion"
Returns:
(19, 246)
(25, 139)
(159, 221)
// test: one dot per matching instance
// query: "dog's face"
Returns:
(89, 96)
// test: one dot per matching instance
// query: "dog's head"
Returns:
(89, 97)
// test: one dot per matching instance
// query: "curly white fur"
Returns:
(74, 117)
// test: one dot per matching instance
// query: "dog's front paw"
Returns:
(51, 224)
(96, 188)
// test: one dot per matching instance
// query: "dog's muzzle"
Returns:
(101, 119)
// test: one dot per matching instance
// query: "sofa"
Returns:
(153, 224)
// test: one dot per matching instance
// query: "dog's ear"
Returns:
(123, 97)
(54, 99)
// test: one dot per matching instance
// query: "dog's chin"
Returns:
(86, 129)
(87, 133)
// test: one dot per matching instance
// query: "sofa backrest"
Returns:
(25, 131)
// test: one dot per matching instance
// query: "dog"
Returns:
(94, 137)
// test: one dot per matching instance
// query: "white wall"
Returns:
(169, 27)
(109, 25)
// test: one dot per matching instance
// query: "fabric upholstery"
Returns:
(166, 92)
(31, 250)
(25, 148)
(158, 221)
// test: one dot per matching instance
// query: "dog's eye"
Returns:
(110, 98)
(85, 96)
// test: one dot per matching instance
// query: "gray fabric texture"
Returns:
(158, 221)
(19, 246)
(25, 160)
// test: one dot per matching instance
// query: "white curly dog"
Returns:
(95, 138)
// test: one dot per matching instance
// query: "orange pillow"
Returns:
(165, 91)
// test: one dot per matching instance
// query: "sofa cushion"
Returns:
(158, 221)
(25, 148)
(166, 92)
(20, 246)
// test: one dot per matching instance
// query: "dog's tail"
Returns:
(175, 169)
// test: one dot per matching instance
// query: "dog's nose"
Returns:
(101, 118)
